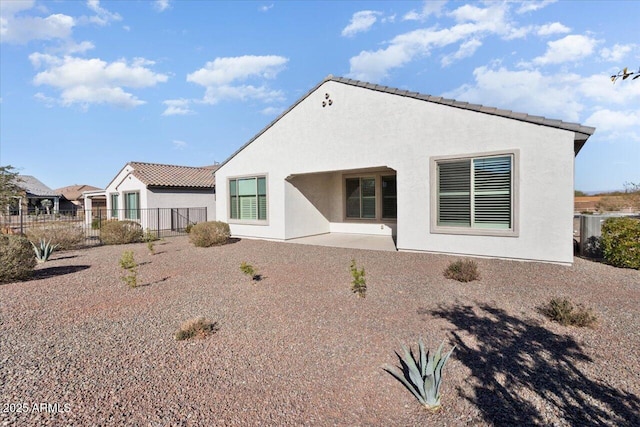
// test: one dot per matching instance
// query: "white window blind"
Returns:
(475, 193)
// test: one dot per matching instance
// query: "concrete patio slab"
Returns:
(346, 240)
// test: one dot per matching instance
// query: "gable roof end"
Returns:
(582, 133)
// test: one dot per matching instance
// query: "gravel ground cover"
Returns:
(298, 348)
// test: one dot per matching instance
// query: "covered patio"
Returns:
(349, 240)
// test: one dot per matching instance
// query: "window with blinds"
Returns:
(361, 197)
(475, 193)
(248, 198)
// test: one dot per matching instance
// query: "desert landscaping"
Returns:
(299, 348)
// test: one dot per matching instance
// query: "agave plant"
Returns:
(422, 375)
(44, 251)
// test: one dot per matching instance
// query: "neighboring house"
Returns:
(72, 197)
(436, 174)
(34, 193)
(141, 187)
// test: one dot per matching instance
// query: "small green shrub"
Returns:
(96, 223)
(129, 269)
(150, 247)
(150, 236)
(620, 242)
(43, 250)
(65, 235)
(210, 233)
(421, 374)
(197, 327)
(564, 312)
(121, 232)
(16, 258)
(189, 226)
(250, 271)
(358, 284)
(462, 271)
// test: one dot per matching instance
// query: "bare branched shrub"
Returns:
(565, 313)
(196, 327)
(17, 259)
(462, 271)
(66, 236)
(121, 232)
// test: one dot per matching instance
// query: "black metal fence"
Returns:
(162, 222)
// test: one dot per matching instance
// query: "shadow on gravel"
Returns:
(164, 279)
(512, 354)
(63, 257)
(57, 271)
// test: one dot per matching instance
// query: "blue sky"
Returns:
(86, 86)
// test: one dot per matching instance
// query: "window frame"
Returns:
(249, 221)
(377, 176)
(127, 209)
(435, 228)
(113, 212)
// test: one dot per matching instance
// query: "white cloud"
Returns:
(473, 24)
(94, 81)
(226, 70)
(222, 76)
(177, 107)
(570, 48)
(69, 47)
(23, 29)
(466, 49)
(179, 145)
(616, 53)
(598, 88)
(266, 8)
(566, 96)
(533, 5)
(616, 125)
(430, 7)
(553, 28)
(552, 96)
(215, 94)
(46, 100)
(14, 6)
(161, 5)
(102, 16)
(272, 111)
(360, 22)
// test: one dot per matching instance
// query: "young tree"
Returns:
(46, 204)
(9, 188)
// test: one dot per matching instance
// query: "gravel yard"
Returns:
(298, 348)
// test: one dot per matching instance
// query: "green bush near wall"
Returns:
(621, 242)
(211, 233)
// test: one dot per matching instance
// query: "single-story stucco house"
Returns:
(72, 197)
(435, 174)
(34, 193)
(162, 196)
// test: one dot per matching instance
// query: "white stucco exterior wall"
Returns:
(365, 129)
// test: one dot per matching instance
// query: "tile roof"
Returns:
(35, 187)
(74, 192)
(157, 175)
(582, 133)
